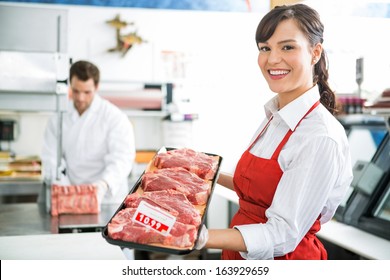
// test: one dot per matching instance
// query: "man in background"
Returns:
(97, 139)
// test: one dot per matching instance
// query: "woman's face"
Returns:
(286, 61)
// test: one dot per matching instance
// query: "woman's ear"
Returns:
(316, 53)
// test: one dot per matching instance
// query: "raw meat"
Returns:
(123, 228)
(172, 201)
(199, 163)
(192, 186)
(183, 233)
(134, 199)
(179, 185)
(82, 199)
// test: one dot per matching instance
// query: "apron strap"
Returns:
(261, 133)
(287, 136)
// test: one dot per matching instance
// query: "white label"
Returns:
(154, 218)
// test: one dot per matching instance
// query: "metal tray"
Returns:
(156, 248)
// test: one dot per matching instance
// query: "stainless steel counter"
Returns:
(20, 187)
(28, 232)
(32, 219)
(24, 219)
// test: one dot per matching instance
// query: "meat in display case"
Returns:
(168, 204)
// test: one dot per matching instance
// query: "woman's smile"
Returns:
(277, 74)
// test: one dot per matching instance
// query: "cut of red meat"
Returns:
(134, 199)
(133, 232)
(81, 199)
(123, 228)
(192, 186)
(124, 216)
(174, 199)
(199, 163)
(174, 202)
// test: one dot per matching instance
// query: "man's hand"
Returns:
(102, 189)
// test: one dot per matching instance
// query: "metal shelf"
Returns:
(141, 113)
(20, 187)
(380, 112)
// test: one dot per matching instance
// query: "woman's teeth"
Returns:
(278, 72)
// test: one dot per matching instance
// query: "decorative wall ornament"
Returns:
(124, 42)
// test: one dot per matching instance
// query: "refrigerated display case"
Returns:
(376, 219)
(368, 207)
(382, 211)
(365, 134)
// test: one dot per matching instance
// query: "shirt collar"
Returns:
(92, 108)
(294, 111)
(95, 103)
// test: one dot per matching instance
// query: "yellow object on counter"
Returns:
(19, 168)
(144, 156)
(6, 172)
(5, 155)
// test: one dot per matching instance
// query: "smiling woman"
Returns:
(297, 166)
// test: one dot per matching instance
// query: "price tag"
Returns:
(154, 218)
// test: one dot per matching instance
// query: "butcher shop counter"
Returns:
(19, 187)
(31, 218)
(27, 231)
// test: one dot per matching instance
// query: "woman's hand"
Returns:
(203, 238)
(226, 180)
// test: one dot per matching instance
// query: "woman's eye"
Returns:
(263, 48)
(286, 48)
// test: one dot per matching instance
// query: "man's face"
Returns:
(83, 93)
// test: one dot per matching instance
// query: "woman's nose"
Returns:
(274, 57)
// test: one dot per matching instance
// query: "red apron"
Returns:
(255, 181)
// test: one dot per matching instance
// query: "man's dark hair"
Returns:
(85, 70)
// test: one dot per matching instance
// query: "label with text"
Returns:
(154, 218)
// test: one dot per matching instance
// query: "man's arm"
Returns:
(120, 158)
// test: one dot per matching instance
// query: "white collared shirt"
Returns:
(98, 145)
(316, 169)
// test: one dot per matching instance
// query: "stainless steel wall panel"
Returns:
(33, 29)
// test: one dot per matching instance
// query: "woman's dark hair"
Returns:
(310, 24)
(84, 71)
